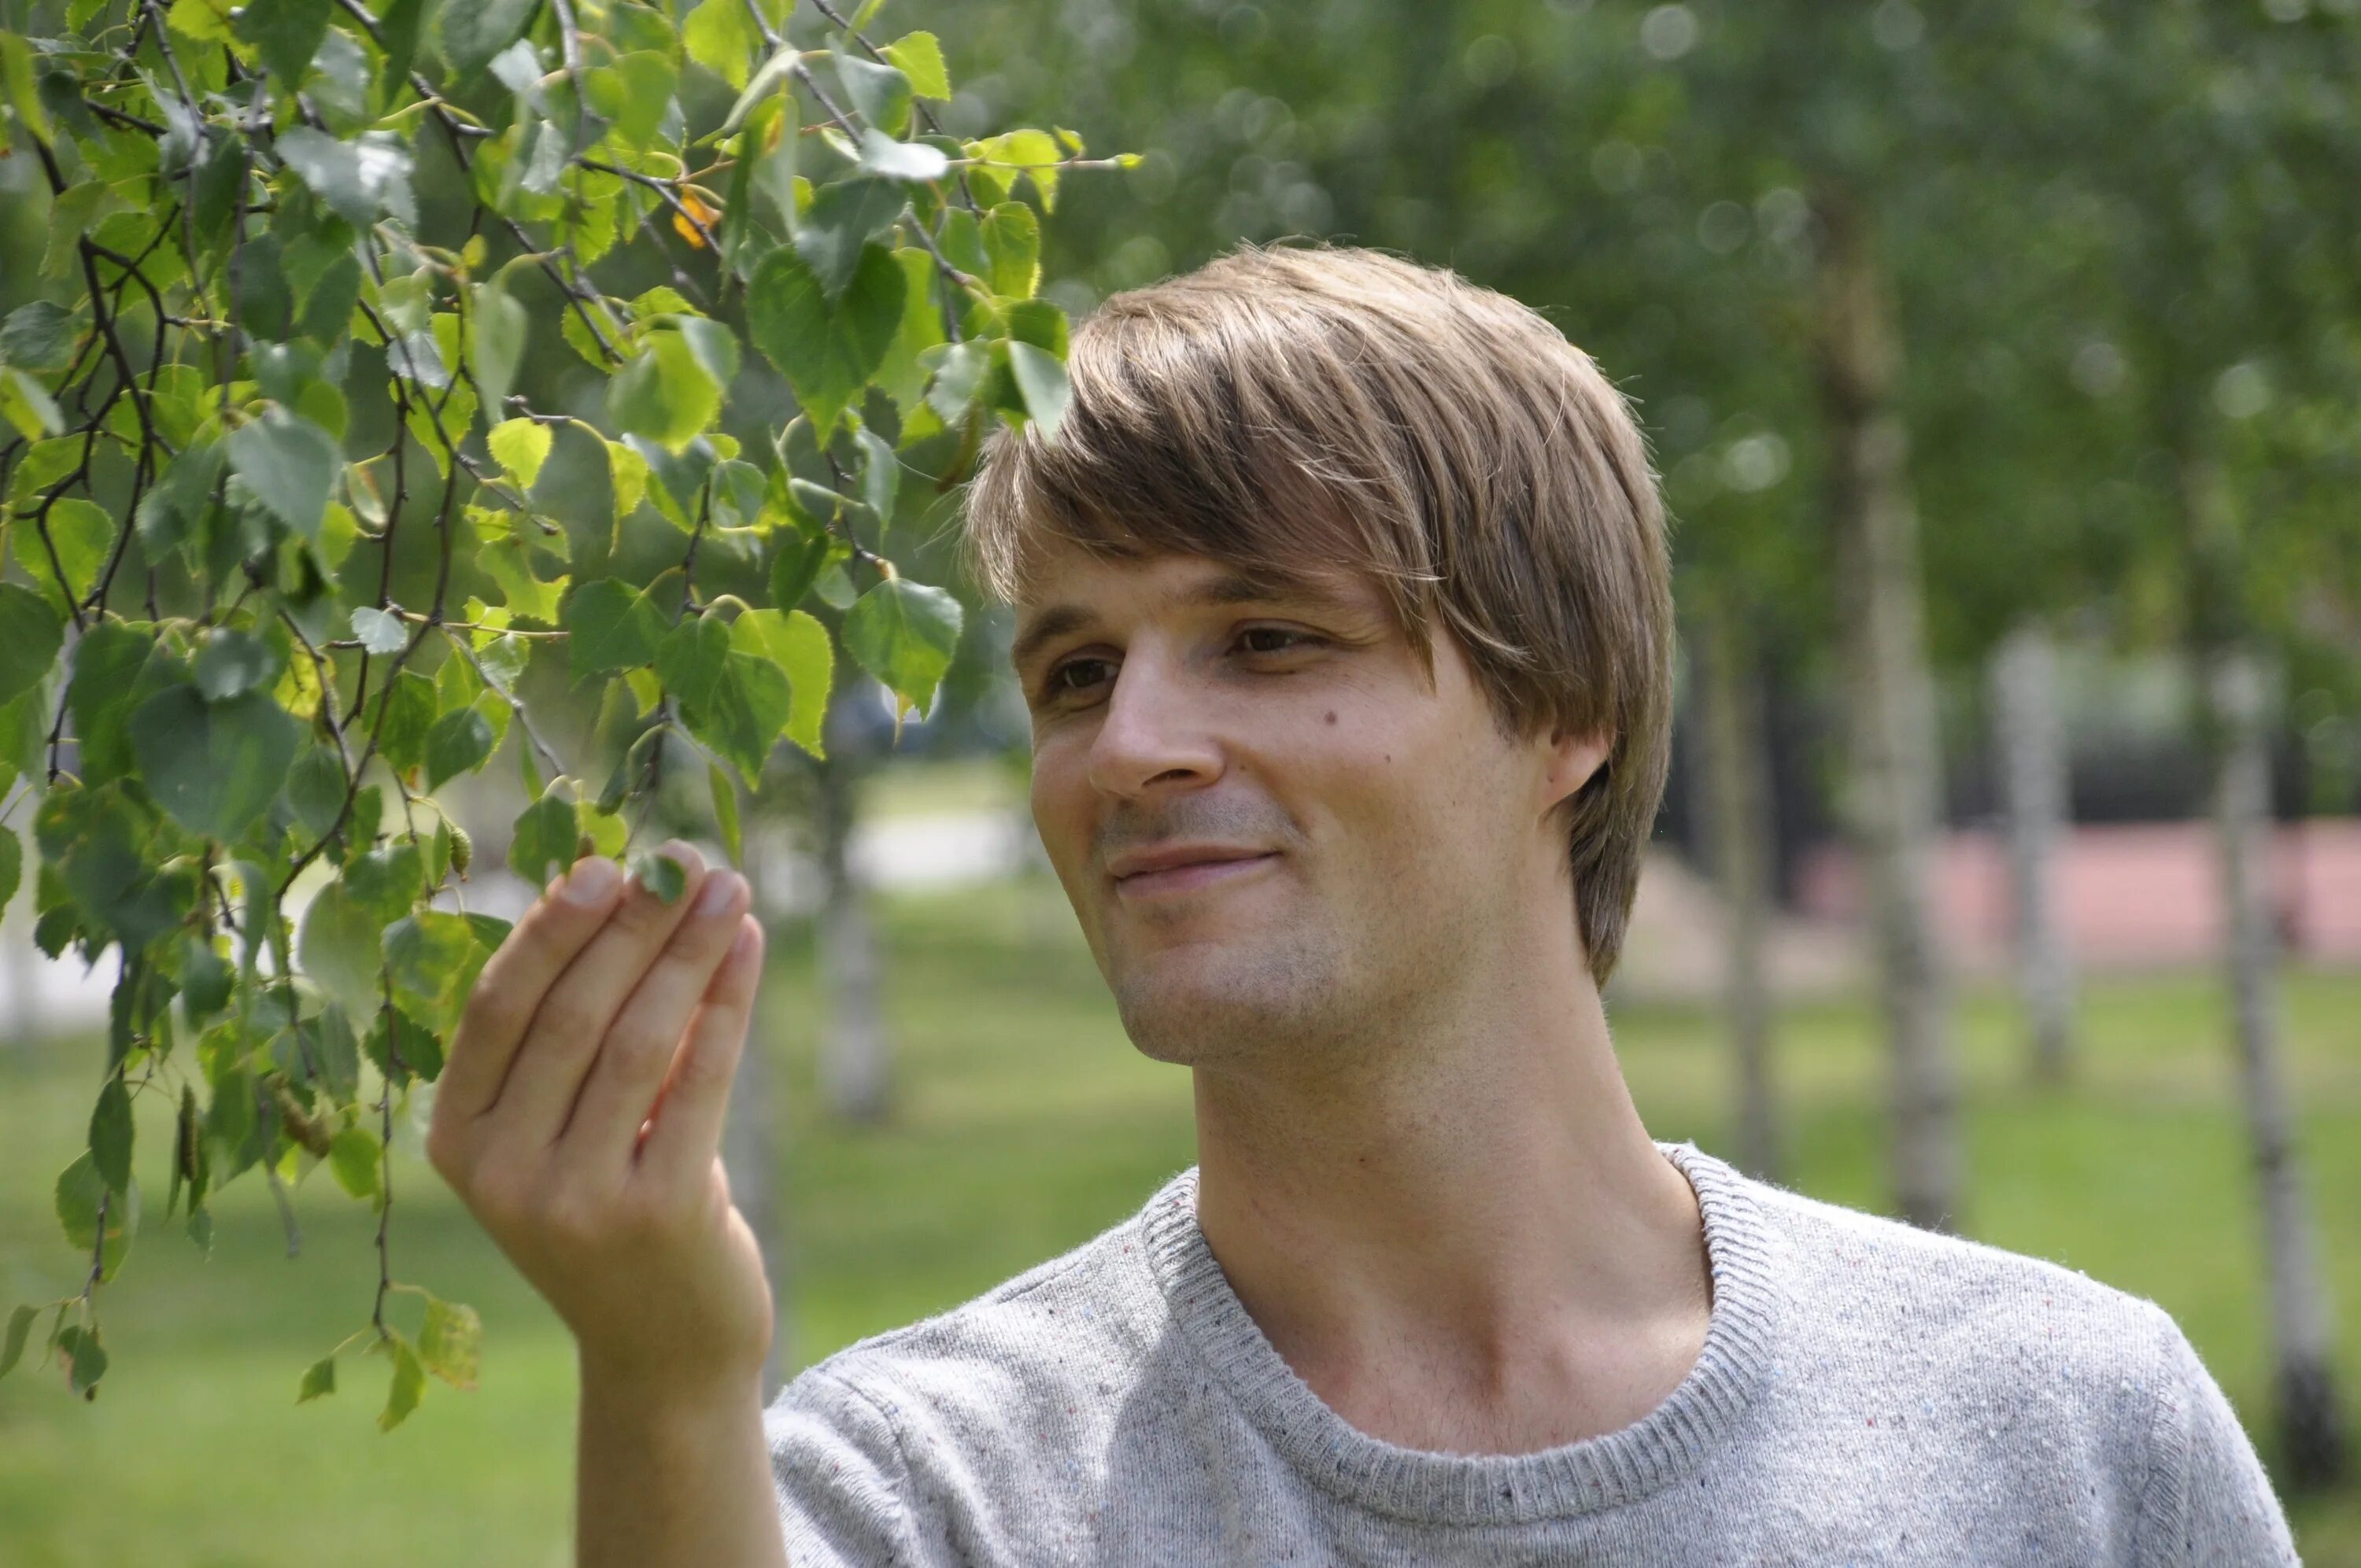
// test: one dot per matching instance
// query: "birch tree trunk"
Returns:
(2034, 785)
(2312, 1431)
(855, 1054)
(1730, 693)
(1893, 804)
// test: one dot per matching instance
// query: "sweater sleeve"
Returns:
(2216, 1509)
(843, 1482)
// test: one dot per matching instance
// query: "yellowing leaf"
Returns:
(520, 446)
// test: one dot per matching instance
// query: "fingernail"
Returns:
(748, 934)
(684, 851)
(720, 888)
(591, 882)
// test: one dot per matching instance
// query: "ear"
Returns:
(1573, 762)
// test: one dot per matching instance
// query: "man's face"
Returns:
(1272, 828)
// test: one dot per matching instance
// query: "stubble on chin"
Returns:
(1244, 1011)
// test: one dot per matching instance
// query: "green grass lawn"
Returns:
(1026, 1124)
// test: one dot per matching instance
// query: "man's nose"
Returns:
(1154, 733)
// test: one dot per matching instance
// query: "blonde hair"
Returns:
(1288, 409)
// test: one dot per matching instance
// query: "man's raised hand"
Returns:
(579, 1118)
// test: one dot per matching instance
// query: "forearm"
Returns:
(666, 1482)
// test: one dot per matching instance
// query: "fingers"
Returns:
(680, 1146)
(640, 1043)
(564, 1036)
(506, 995)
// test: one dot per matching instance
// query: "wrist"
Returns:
(667, 1394)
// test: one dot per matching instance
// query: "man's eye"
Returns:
(1074, 676)
(1272, 639)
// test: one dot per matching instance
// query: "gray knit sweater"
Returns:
(1868, 1394)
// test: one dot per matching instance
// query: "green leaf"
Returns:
(1042, 382)
(83, 534)
(720, 36)
(289, 463)
(231, 663)
(750, 708)
(883, 156)
(176, 504)
(801, 557)
(880, 93)
(666, 393)
(904, 633)
(214, 766)
(110, 1134)
(79, 1192)
(460, 742)
(287, 34)
(449, 1340)
(40, 337)
(690, 661)
(799, 644)
(957, 377)
(1012, 239)
(22, 87)
(85, 1358)
(1034, 152)
(353, 1155)
(520, 446)
(826, 354)
(543, 838)
(496, 348)
(379, 630)
(319, 1378)
(408, 1377)
(31, 635)
(609, 626)
(774, 71)
(920, 57)
(356, 179)
(25, 402)
(341, 947)
(842, 218)
(387, 880)
(409, 714)
(12, 1349)
(660, 875)
(434, 956)
(468, 34)
(12, 866)
(725, 810)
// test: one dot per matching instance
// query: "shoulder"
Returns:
(1852, 1271)
(1084, 1318)
(1980, 1339)
(893, 1446)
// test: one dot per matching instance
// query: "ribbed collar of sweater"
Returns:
(1668, 1443)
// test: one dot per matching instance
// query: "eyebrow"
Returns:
(1229, 587)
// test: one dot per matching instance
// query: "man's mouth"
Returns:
(1165, 875)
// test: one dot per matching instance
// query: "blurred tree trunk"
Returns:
(2035, 785)
(2310, 1429)
(855, 1054)
(1730, 694)
(1894, 794)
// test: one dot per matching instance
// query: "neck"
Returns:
(1469, 1239)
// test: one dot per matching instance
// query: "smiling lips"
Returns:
(1183, 869)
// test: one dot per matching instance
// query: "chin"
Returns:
(1208, 1002)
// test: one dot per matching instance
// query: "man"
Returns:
(1344, 621)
